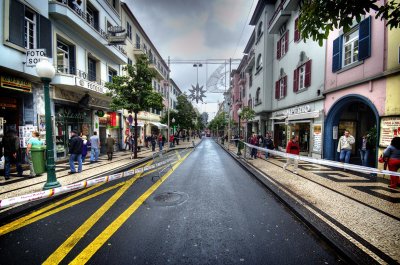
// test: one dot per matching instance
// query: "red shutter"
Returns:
(296, 80)
(307, 81)
(278, 50)
(277, 90)
(285, 86)
(286, 41)
(296, 30)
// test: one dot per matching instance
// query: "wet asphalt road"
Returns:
(208, 211)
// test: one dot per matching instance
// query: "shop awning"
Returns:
(159, 125)
(139, 124)
(303, 116)
(278, 118)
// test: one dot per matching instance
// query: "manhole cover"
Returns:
(169, 198)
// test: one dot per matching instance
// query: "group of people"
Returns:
(262, 141)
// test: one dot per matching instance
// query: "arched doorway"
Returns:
(354, 113)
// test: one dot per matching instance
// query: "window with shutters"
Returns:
(137, 41)
(281, 88)
(302, 77)
(282, 45)
(352, 47)
(296, 30)
(129, 30)
(30, 29)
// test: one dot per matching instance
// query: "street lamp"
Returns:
(197, 65)
(239, 112)
(46, 72)
(173, 128)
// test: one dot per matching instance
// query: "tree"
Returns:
(218, 122)
(319, 17)
(247, 114)
(134, 92)
(186, 114)
(172, 115)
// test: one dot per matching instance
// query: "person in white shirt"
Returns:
(345, 145)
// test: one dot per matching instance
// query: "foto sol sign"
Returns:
(33, 56)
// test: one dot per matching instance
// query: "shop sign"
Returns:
(113, 118)
(390, 127)
(8, 103)
(114, 40)
(33, 56)
(16, 83)
(295, 110)
(317, 137)
(89, 85)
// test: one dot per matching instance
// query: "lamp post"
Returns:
(197, 65)
(239, 112)
(173, 128)
(46, 72)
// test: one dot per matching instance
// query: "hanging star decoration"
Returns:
(197, 93)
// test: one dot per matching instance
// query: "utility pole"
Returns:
(169, 100)
(230, 105)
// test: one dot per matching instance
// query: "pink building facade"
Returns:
(355, 86)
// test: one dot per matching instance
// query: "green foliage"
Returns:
(133, 91)
(186, 115)
(247, 114)
(218, 122)
(319, 17)
(172, 115)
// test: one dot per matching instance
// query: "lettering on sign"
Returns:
(16, 83)
(33, 56)
(90, 85)
(390, 127)
(295, 110)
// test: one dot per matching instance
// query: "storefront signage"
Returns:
(116, 29)
(114, 40)
(295, 110)
(317, 138)
(34, 56)
(113, 118)
(390, 127)
(8, 103)
(89, 85)
(16, 83)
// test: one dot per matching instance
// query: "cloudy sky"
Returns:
(196, 30)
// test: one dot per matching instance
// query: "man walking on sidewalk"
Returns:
(75, 152)
(110, 147)
(11, 153)
(95, 142)
(293, 148)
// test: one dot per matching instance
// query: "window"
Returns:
(111, 73)
(129, 30)
(302, 77)
(92, 16)
(92, 69)
(62, 57)
(249, 102)
(296, 30)
(350, 48)
(281, 88)
(354, 46)
(137, 41)
(130, 61)
(259, 29)
(259, 61)
(258, 100)
(282, 45)
(251, 78)
(30, 29)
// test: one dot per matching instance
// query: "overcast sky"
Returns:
(196, 30)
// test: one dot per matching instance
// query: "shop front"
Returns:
(303, 121)
(109, 123)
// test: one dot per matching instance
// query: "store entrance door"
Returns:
(103, 138)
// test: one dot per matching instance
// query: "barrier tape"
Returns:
(324, 162)
(75, 186)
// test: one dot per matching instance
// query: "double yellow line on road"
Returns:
(93, 247)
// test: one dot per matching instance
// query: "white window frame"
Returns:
(302, 77)
(281, 88)
(353, 49)
(30, 23)
(129, 30)
(111, 73)
(65, 58)
(283, 45)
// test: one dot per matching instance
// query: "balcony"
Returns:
(81, 23)
(280, 16)
(251, 61)
(159, 74)
(138, 49)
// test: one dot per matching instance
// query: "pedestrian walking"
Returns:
(110, 147)
(293, 148)
(153, 142)
(254, 141)
(268, 144)
(128, 141)
(75, 152)
(344, 146)
(34, 141)
(85, 147)
(95, 145)
(392, 153)
(364, 150)
(11, 153)
(171, 141)
(160, 141)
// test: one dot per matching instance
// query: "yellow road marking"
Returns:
(93, 247)
(30, 218)
(63, 250)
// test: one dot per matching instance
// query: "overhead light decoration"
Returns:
(197, 93)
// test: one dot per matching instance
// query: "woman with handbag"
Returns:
(392, 153)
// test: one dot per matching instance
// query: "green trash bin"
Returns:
(38, 158)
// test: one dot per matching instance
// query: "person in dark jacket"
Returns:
(75, 151)
(268, 143)
(110, 142)
(365, 148)
(153, 142)
(11, 153)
